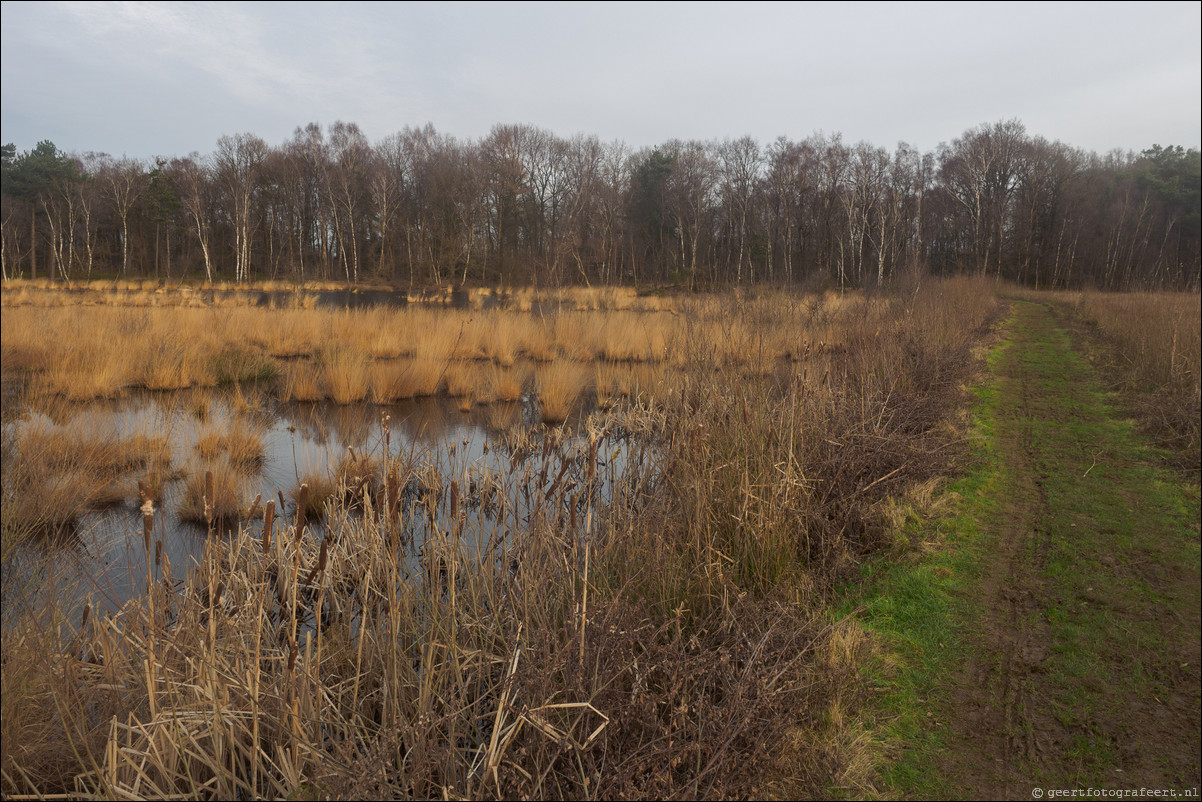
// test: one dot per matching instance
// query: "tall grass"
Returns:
(644, 621)
(53, 474)
(559, 385)
(1153, 351)
(239, 442)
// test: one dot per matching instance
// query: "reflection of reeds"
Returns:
(506, 643)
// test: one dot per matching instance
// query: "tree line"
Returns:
(524, 206)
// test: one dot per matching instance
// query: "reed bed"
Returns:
(1149, 344)
(240, 443)
(215, 492)
(344, 356)
(54, 473)
(559, 385)
(637, 621)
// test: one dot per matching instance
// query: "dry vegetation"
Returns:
(55, 473)
(1157, 343)
(672, 643)
(383, 355)
(1151, 349)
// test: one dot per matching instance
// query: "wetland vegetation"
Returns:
(319, 480)
(543, 551)
(629, 626)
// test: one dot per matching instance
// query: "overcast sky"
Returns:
(146, 79)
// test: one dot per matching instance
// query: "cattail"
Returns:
(454, 499)
(268, 521)
(280, 493)
(592, 456)
(208, 498)
(393, 494)
(168, 585)
(321, 560)
(254, 508)
(302, 503)
(293, 651)
(147, 523)
(158, 552)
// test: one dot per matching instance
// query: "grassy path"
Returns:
(1052, 638)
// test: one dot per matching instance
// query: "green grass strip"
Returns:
(1118, 548)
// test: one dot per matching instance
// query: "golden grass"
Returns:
(301, 382)
(461, 380)
(61, 472)
(390, 381)
(212, 493)
(239, 443)
(579, 648)
(606, 383)
(345, 356)
(558, 386)
(426, 375)
(505, 384)
(345, 374)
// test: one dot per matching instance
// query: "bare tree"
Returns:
(237, 165)
(740, 164)
(125, 180)
(195, 199)
(346, 178)
(980, 171)
(692, 191)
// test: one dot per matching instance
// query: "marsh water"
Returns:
(506, 466)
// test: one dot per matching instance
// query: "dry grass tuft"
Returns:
(55, 474)
(559, 385)
(321, 490)
(241, 445)
(643, 616)
(505, 385)
(214, 493)
(345, 374)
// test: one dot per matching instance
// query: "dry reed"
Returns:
(644, 626)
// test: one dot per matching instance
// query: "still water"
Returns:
(507, 468)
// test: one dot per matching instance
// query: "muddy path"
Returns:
(1082, 635)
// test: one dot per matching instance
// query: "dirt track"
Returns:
(1084, 667)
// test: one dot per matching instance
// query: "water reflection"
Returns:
(483, 475)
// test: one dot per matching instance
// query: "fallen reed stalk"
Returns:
(641, 616)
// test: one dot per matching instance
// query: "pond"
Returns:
(486, 474)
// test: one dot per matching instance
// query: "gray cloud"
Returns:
(153, 78)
